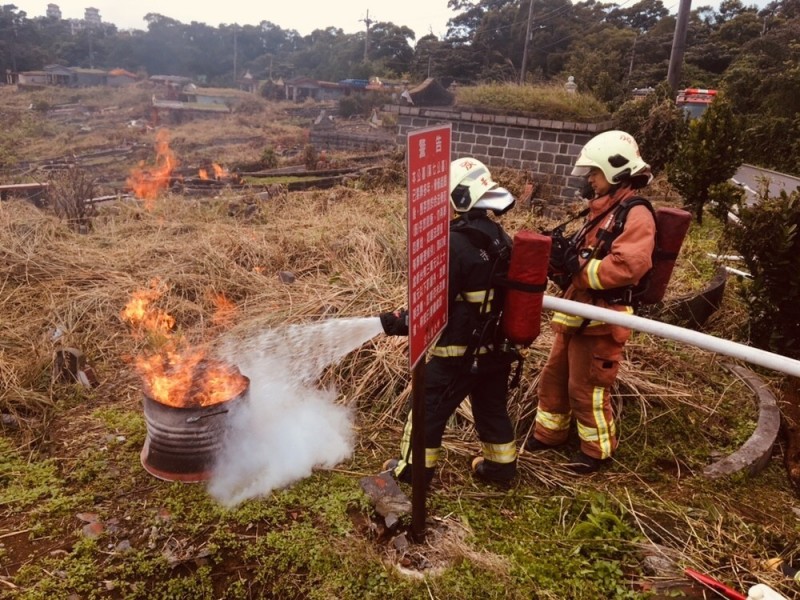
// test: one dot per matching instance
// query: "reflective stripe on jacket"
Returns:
(627, 260)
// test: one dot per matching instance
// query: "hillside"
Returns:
(285, 286)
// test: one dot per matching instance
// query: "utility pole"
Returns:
(633, 55)
(678, 45)
(234, 52)
(369, 22)
(91, 48)
(524, 67)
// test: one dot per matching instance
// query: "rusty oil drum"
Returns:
(182, 443)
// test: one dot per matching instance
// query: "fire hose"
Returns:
(704, 341)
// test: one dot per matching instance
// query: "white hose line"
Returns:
(672, 332)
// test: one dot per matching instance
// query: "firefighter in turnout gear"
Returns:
(598, 265)
(470, 357)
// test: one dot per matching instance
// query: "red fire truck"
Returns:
(695, 100)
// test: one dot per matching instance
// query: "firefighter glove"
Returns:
(571, 263)
(395, 323)
(564, 257)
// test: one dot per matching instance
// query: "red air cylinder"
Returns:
(527, 275)
(671, 227)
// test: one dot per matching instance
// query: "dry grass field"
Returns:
(81, 518)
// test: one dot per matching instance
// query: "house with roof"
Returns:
(59, 75)
(248, 83)
(121, 78)
(228, 97)
(89, 77)
(31, 79)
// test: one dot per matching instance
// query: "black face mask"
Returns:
(587, 192)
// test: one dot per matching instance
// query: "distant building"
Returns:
(92, 17)
(642, 93)
(248, 83)
(120, 78)
(60, 75)
(89, 77)
(31, 79)
(53, 12)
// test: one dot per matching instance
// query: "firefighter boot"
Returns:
(534, 445)
(404, 473)
(583, 464)
(489, 471)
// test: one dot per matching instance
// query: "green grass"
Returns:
(549, 102)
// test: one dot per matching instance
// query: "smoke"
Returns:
(288, 425)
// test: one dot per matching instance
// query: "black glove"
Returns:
(571, 263)
(395, 323)
(563, 256)
(564, 261)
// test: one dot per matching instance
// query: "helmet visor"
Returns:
(580, 171)
(499, 200)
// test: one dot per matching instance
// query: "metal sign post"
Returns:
(428, 162)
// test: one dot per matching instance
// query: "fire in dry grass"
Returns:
(219, 172)
(148, 182)
(176, 374)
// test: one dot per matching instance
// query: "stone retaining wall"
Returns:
(332, 139)
(546, 148)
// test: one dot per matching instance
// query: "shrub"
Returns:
(310, 157)
(69, 193)
(657, 124)
(767, 238)
(360, 105)
(269, 159)
(709, 154)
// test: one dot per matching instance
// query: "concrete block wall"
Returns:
(546, 148)
(336, 140)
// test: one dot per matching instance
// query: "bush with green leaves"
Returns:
(709, 154)
(656, 123)
(360, 105)
(768, 240)
(269, 158)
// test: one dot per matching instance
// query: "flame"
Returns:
(178, 375)
(139, 312)
(188, 378)
(202, 174)
(224, 310)
(219, 172)
(147, 183)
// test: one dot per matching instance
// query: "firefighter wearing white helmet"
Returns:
(599, 264)
(470, 356)
(616, 154)
(471, 186)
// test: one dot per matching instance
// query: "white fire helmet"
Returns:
(616, 154)
(471, 186)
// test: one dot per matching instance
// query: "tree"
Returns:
(709, 155)
(768, 238)
(656, 123)
(600, 62)
(642, 16)
(389, 46)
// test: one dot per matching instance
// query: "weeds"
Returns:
(550, 536)
(551, 102)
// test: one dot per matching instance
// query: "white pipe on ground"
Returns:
(672, 332)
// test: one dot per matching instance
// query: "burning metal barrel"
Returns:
(183, 439)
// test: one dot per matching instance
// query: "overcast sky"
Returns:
(304, 16)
